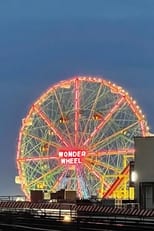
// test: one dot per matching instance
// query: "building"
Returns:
(144, 171)
(64, 195)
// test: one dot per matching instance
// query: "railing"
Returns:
(80, 209)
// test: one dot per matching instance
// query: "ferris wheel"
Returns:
(79, 135)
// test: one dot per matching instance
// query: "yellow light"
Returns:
(65, 85)
(17, 180)
(67, 218)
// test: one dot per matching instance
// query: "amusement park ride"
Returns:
(79, 135)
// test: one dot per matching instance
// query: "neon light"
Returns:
(71, 157)
(39, 158)
(76, 124)
(112, 152)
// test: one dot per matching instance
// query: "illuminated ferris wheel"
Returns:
(79, 136)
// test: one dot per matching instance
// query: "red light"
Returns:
(71, 157)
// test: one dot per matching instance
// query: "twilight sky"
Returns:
(43, 42)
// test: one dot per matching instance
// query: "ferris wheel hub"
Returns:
(71, 156)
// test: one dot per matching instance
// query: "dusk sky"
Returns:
(45, 41)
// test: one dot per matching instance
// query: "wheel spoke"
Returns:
(104, 165)
(50, 124)
(63, 116)
(40, 158)
(92, 170)
(76, 105)
(58, 181)
(112, 152)
(41, 177)
(115, 135)
(106, 119)
(53, 144)
(91, 113)
(79, 186)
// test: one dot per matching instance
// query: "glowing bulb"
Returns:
(134, 176)
(67, 218)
